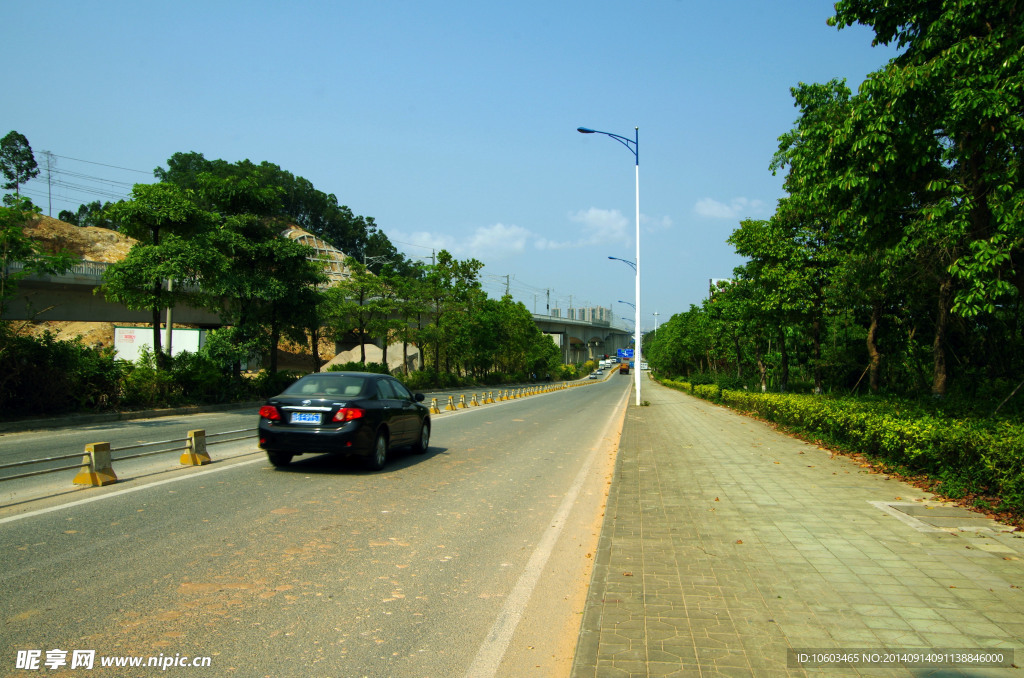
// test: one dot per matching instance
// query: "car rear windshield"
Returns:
(327, 386)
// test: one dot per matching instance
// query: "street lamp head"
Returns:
(586, 130)
(625, 261)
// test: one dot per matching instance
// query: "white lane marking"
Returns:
(491, 652)
(127, 490)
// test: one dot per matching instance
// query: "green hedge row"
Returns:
(967, 456)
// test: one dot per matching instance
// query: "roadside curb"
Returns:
(86, 419)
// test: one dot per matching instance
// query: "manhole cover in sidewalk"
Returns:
(939, 517)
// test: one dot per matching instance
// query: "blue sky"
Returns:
(452, 124)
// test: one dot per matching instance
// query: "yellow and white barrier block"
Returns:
(96, 468)
(195, 453)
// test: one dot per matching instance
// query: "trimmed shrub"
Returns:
(375, 368)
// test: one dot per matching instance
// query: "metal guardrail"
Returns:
(17, 464)
(194, 446)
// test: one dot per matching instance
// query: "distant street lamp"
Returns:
(625, 261)
(627, 303)
(634, 147)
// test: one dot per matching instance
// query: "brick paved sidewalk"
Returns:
(727, 544)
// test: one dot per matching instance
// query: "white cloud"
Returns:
(484, 243)
(421, 239)
(545, 244)
(497, 241)
(500, 241)
(601, 226)
(655, 224)
(737, 208)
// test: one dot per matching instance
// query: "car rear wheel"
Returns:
(379, 454)
(279, 459)
(423, 444)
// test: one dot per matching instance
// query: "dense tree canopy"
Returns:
(213, 228)
(897, 252)
(279, 193)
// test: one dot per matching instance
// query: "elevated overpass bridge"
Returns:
(74, 296)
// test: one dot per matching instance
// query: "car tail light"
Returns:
(270, 412)
(348, 414)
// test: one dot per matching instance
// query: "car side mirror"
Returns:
(419, 397)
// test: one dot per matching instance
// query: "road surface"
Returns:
(471, 560)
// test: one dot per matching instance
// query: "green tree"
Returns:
(165, 220)
(20, 256)
(262, 285)
(17, 163)
(298, 202)
(448, 288)
(354, 306)
(942, 124)
(91, 214)
(412, 306)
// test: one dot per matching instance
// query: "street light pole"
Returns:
(634, 147)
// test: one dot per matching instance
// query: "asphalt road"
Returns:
(472, 560)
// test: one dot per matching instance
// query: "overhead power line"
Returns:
(69, 188)
(102, 164)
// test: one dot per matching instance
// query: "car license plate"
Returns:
(305, 417)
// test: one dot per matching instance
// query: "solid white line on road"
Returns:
(127, 490)
(490, 654)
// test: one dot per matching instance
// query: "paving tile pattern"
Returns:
(726, 543)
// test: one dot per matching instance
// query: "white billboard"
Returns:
(129, 341)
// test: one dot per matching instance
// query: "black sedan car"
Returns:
(349, 413)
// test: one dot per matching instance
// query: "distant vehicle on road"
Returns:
(624, 368)
(347, 413)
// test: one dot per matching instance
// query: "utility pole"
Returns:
(50, 164)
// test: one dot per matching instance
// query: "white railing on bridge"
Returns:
(85, 269)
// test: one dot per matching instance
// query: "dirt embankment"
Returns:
(84, 242)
